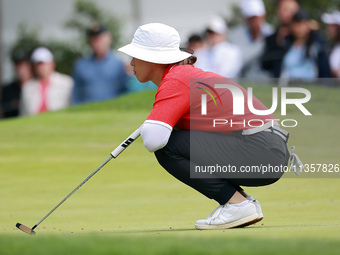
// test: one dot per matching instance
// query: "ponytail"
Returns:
(190, 60)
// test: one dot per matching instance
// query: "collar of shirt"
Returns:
(107, 56)
(167, 70)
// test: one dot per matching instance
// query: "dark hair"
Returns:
(20, 56)
(300, 15)
(309, 43)
(195, 38)
(95, 29)
(337, 38)
(190, 60)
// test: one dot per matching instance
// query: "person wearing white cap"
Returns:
(49, 90)
(251, 37)
(11, 93)
(218, 55)
(333, 22)
(180, 130)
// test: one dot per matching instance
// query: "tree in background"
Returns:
(85, 13)
(315, 8)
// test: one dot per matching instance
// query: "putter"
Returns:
(113, 154)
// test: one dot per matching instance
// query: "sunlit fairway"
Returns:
(133, 206)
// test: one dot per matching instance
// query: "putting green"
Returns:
(133, 206)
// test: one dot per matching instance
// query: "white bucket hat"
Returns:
(156, 43)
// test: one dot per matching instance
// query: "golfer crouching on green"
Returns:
(181, 132)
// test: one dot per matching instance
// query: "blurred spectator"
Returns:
(195, 42)
(250, 37)
(333, 22)
(10, 95)
(306, 57)
(275, 44)
(49, 90)
(101, 75)
(218, 55)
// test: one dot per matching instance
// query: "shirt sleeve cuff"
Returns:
(159, 123)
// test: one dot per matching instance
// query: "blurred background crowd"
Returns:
(294, 46)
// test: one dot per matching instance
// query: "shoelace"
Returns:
(295, 162)
(214, 214)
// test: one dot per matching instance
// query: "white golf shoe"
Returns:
(229, 216)
(258, 210)
(258, 207)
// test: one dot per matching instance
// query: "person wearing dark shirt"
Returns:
(333, 28)
(10, 95)
(302, 54)
(274, 47)
(306, 55)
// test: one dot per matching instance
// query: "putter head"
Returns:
(25, 229)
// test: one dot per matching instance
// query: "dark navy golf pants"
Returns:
(187, 151)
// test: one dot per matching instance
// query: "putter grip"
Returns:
(126, 143)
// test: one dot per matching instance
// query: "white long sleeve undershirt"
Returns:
(155, 134)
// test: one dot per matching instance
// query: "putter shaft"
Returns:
(75, 189)
(113, 154)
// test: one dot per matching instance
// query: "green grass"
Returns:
(130, 205)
